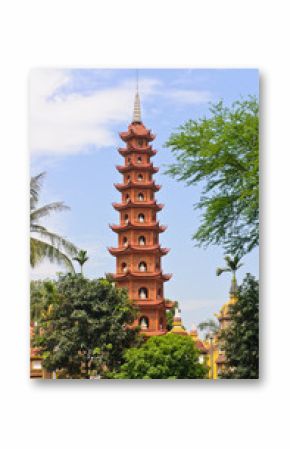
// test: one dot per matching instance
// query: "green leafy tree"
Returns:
(81, 258)
(167, 357)
(221, 153)
(45, 243)
(241, 338)
(86, 330)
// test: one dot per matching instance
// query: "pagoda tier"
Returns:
(137, 130)
(140, 185)
(129, 249)
(142, 167)
(142, 276)
(128, 204)
(138, 227)
(138, 254)
(147, 151)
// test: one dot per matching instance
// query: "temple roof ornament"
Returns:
(178, 327)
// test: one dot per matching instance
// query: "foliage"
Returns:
(81, 258)
(86, 330)
(222, 153)
(210, 326)
(170, 316)
(241, 338)
(233, 264)
(44, 243)
(169, 356)
(43, 294)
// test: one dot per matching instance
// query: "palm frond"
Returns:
(233, 263)
(56, 240)
(36, 228)
(57, 206)
(228, 259)
(40, 250)
(210, 325)
(35, 184)
(81, 257)
(219, 271)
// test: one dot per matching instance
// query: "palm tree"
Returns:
(81, 258)
(233, 264)
(211, 326)
(44, 243)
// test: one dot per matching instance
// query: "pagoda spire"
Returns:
(137, 106)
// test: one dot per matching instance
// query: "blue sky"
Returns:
(75, 117)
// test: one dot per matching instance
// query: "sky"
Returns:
(75, 118)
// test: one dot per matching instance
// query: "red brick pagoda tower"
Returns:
(138, 255)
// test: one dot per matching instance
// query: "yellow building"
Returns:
(210, 349)
(179, 329)
(212, 346)
(224, 321)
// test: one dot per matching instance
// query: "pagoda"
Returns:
(138, 254)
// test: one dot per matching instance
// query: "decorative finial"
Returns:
(193, 328)
(137, 107)
(177, 313)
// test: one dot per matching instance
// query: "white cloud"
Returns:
(67, 124)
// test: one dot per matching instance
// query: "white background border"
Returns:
(144, 34)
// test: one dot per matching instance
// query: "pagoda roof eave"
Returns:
(146, 204)
(138, 249)
(169, 304)
(137, 130)
(126, 151)
(149, 185)
(141, 167)
(147, 303)
(140, 226)
(142, 275)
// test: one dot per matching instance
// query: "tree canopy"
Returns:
(241, 338)
(85, 331)
(166, 357)
(221, 152)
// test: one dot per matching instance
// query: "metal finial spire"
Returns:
(137, 106)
